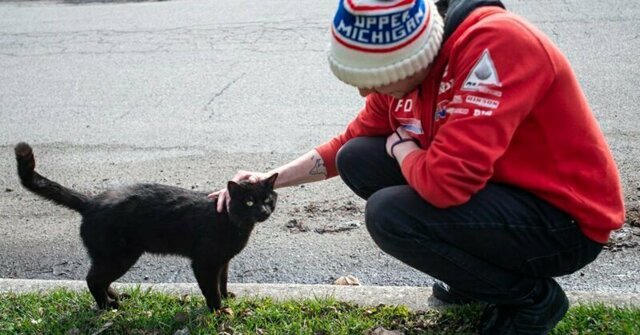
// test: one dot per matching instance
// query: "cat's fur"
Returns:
(119, 225)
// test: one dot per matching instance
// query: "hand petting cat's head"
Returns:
(251, 202)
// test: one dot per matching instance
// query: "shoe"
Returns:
(496, 319)
(537, 314)
(446, 294)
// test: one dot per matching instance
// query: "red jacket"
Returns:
(500, 104)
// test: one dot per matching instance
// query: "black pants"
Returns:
(494, 248)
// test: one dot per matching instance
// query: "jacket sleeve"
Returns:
(372, 120)
(492, 95)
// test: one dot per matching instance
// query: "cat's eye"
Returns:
(249, 203)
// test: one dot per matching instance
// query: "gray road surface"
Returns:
(187, 92)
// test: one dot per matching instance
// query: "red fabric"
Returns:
(373, 7)
(530, 126)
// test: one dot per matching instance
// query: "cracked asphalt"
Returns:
(187, 92)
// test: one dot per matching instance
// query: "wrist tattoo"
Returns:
(318, 168)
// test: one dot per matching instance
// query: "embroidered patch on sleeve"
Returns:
(483, 77)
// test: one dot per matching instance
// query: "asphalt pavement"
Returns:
(187, 92)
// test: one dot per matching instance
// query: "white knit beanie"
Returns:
(378, 42)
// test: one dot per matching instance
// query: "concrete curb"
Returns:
(416, 298)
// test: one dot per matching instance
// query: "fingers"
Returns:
(390, 140)
(402, 133)
(242, 175)
(252, 177)
(399, 134)
(223, 200)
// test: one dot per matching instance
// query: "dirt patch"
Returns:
(329, 206)
(331, 216)
(338, 228)
(296, 226)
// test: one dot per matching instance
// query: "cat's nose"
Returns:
(266, 210)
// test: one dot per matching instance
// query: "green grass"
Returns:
(150, 312)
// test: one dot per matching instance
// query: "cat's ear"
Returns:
(271, 181)
(233, 188)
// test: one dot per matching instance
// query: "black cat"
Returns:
(119, 225)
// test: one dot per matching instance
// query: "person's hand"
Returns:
(222, 195)
(399, 136)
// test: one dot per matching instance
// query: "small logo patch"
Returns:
(458, 111)
(404, 105)
(440, 114)
(411, 125)
(483, 76)
(445, 86)
(482, 102)
(480, 112)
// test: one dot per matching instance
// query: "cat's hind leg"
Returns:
(207, 275)
(104, 272)
(98, 284)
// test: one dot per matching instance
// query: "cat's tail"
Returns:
(44, 187)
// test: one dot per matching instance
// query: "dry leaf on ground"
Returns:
(347, 280)
(103, 328)
(183, 331)
(382, 331)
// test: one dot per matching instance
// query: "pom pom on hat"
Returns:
(377, 42)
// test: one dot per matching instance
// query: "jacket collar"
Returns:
(430, 84)
(455, 11)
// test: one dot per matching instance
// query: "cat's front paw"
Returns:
(113, 304)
